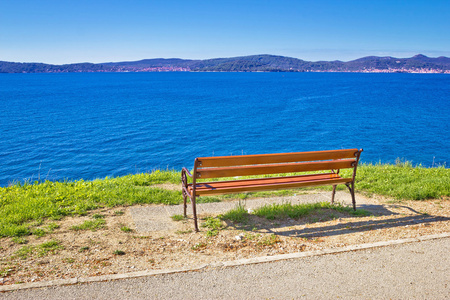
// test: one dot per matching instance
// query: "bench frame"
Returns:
(265, 164)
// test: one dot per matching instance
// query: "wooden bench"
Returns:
(265, 164)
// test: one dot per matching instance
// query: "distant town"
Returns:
(253, 63)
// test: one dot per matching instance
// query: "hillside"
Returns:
(253, 63)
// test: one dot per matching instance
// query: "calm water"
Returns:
(91, 125)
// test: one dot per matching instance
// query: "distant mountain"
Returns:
(253, 63)
(12, 67)
(150, 63)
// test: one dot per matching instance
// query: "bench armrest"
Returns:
(186, 171)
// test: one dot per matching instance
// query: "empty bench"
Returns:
(275, 165)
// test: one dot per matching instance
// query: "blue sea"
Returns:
(92, 125)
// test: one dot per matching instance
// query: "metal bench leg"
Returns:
(332, 194)
(194, 211)
(351, 187)
(184, 203)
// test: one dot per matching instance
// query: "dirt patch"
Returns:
(168, 186)
(116, 246)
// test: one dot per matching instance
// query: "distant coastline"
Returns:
(253, 63)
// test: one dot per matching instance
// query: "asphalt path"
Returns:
(418, 270)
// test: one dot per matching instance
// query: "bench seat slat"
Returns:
(261, 184)
(274, 168)
(240, 160)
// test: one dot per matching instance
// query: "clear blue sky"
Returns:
(69, 31)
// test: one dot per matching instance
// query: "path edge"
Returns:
(233, 263)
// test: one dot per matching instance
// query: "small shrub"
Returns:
(119, 252)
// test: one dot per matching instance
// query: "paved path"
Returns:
(419, 270)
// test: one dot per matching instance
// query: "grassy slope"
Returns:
(24, 206)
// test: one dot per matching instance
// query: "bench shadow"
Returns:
(360, 226)
(273, 226)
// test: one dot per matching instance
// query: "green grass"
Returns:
(177, 217)
(49, 247)
(92, 225)
(23, 207)
(98, 216)
(269, 240)
(213, 225)
(126, 229)
(22, 204)
(119, 252)
(236, 215)
(288, 210)
(403, 181)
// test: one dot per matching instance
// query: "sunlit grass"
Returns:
(23, 207)
(21, 204)
(296, 211)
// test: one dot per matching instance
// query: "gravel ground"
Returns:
(169, 244)
(419, 270)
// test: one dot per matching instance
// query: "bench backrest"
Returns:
(248, 165)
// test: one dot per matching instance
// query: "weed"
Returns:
(38, 232)
(6, 271)
(126, 229)
(119, 212)
(236, 215)
(84, 248)
(250, 236)
(98, 216)
(43, 249)
(119, 252)
(49, 247)
(142, 237)
(19, 240)
(212, 232)
(178, 217)
(24, 252)
(52, 226)
(68, 260)
(198, 246)
(269, 240)
(213, 223)
(91, 225)
(288, 210)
